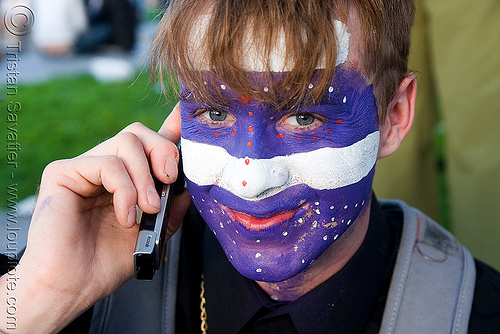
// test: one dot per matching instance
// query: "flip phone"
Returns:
(150, 242)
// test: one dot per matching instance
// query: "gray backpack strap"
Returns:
(141, 306)
(433, 281)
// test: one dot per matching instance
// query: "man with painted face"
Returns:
(284, 109)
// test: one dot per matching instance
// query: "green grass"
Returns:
(65, 117)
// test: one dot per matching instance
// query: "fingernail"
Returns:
(153, 198)
(171, 168)
(132, 216)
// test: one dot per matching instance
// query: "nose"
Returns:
(251, 178)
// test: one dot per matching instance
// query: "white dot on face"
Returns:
(237, 232)
(303, 261)
(363, 203)
(221, 225)
(333, 219)
(223, 86)
(257, 241)
(310, 86)
(356, 205)
(274, 298)
(345, 207)
(202, 200)
(295, 248)
(206, 83)
(330, 89)
(215, 201)
(211, 211)
(192, 197)
(258, 255)
(315, 224)
(316, 203)
(300, 220)
(335, 237)
(317, 211)
(285, 233)
(231, 257)
(348, 222)
(345, 99)
(266, 89)
(325, 237)
(259, 270)
(234, 242)
(214, 232)
(332, 207)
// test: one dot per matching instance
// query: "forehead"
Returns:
(346, 80)
(254, 57)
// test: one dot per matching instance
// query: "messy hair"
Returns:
(310, 39)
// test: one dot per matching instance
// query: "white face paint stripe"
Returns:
(252, 59)
(342, 42)
(324, 168)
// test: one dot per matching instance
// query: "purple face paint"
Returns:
(278, 187)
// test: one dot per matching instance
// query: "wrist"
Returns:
(28, 307)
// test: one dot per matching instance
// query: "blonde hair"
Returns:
(310, 38)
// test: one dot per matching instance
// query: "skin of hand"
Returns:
(83, 230)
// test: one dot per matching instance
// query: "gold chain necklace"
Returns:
(203, 315)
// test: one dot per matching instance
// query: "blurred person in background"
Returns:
(58, 25)
(112, 23)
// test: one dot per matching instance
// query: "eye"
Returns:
(304, 119)
(216, 115)
(301, 119)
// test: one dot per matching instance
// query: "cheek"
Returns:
(203, 164)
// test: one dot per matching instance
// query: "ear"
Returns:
(399, 118)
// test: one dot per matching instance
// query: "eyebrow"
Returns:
(219, 97)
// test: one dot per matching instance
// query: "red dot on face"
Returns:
(250, 128)
(339, 121)
(247, 161)
(233, 133)
(216, 134)
(190, 118)
(198, 130)
(314, 137)
(298, 138)
(250, 113)
(329, 131)
(244, 183)
(280, 135)
(244, 99)
(249, 144)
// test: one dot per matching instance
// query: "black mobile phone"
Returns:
(150, 242)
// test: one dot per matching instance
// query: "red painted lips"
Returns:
(256, 224)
